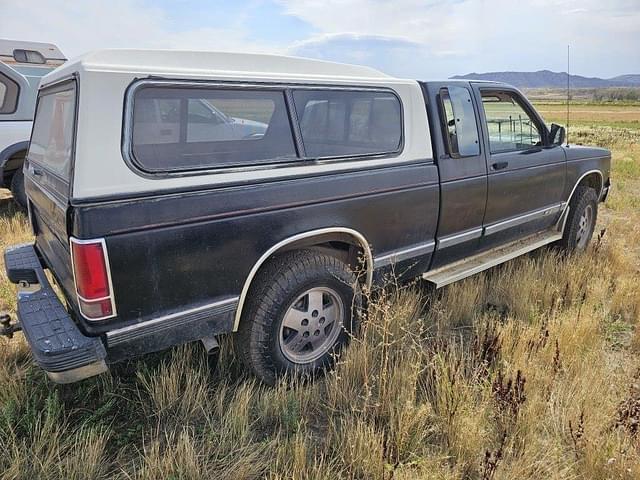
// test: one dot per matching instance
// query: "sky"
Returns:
(425, 39)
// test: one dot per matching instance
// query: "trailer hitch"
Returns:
(7, 328)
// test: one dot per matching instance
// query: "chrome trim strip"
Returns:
(527, 217)
(457, 238)
(403, 254)
(301, 236)
(132, 328)
(112, 295)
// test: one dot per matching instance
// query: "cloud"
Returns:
(396, 56)
(412, 38)
(480, 35)
(79, 26)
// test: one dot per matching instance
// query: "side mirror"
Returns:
(556, 134)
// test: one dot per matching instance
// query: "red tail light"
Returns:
(92, 278)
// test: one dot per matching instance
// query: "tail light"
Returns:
(92, 278)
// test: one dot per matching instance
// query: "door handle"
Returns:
(36, 172)
(500, 165)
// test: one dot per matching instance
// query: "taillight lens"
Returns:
(91, 275)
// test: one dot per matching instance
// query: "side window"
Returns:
(460, 127)
(177, 128)
(28, 56)
(336, 123)
(509, 125)
(53, 130)
(8, 94)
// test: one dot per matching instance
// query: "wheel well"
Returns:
(347, 245)
(345, 248)
(593, 180)
(13, 163)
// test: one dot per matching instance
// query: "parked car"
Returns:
(163, 223)
(22, 65)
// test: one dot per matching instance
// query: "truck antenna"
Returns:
(568, 98)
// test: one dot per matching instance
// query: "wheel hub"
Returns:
(584, 227)
(311, 325)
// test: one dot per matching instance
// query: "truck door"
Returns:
(526, 175)
(463, 171)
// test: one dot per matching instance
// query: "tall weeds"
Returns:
(525, 371)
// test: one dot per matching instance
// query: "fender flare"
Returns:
(360, 239)
(588, 172)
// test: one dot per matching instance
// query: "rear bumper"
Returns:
(58, 346)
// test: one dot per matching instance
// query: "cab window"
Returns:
(509, 125)
(459, 122)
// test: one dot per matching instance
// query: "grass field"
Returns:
(622, 116)
(530, 370)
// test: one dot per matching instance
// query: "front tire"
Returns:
(301, 311)
(583, 214)
(17, 188)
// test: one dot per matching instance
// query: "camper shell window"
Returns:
(53, 130)
(185, 128)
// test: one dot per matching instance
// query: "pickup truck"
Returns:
(22, 65)
(177, 196)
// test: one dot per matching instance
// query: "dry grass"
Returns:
(530, 370)
(596, 115)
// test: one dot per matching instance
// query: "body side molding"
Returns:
(521, 219)
(125, 334)
(404, 254)
(458, 238)
(302, 236)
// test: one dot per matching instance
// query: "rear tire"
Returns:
(17, 188)
(583, 214)
(300, 313)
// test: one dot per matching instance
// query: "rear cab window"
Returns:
(53, 130)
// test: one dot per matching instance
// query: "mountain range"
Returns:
(549, 79)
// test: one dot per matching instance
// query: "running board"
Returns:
(470, 266)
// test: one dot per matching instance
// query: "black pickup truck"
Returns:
(177, 196)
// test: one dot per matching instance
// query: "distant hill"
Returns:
(549, 79)
(633, 79)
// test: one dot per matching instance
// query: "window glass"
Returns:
(8, 94)
(192, 128)
(509, 125)
(338, 123)
(28, 56)
(460, 122)
(52, 137)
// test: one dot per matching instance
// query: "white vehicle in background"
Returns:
(22, 65)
